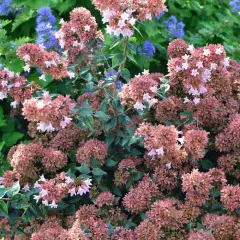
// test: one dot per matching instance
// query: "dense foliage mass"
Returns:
(129, 132)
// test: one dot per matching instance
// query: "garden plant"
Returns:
(119, 120)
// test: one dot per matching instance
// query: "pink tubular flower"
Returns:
(48, 62)
(122, 16)
(48, 113)
(53, 160)
(75, 35)
(223, 227)
(148, 230)
(139, 198)
(16, 87)
(9, 178)
(230, 197)
(197, 186)
(23, 159)
(67, 138)
(161, 143)
(195, 142)
(92, 148)
(200, 235)
(105, 198)
(123, 172)
(228, 139)
(166, 178)
(177, 48)
(168, 214)
(138, 88)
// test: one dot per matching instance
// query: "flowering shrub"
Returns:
(107, 154)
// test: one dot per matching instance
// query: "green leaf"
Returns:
(85, 110)
(130, 57)
(206, 164)
(14, 189)
(24, 16)
(84, 70)
(20, 201)
(98, 172)
(117, 60)
(3, 191)
(3, 209)
(102, 116)
(125, 74)
(11, 138)
(111, 163)
(84, 169)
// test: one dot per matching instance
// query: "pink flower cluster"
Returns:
(229, 138)
(67, 138)
(195, 142)
(197, 186)
(105, 198)
(92, 148)
(141, 90)
(123, 172)
(139, 198)
(230, 196)
(122, 15)
(200, 71)
(29, 160)
(9, 178)
(75, 35)
(49, 114)
(15, 86)
(162, 144)
(223, 226)
(54, 190)
(49, 62)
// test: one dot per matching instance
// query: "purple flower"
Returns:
(46, 29)
(119, 85)
(45, 16)
(235, 4)
(147, 50)
(175, 28)
(160, 15)
(5, 7)
(110, 74)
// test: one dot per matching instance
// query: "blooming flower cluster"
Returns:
(5, 7)
(141, 91)
(92, 149)
(16, 87)
(75, 35)
(49, 62)
(122, 16)
(139, 199)
(175, 28)
(54, 190)
(49, 114)
(235, 4)
(25, 159)
(46, 28)
(147, 50)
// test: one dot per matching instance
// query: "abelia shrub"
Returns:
(114, 155)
